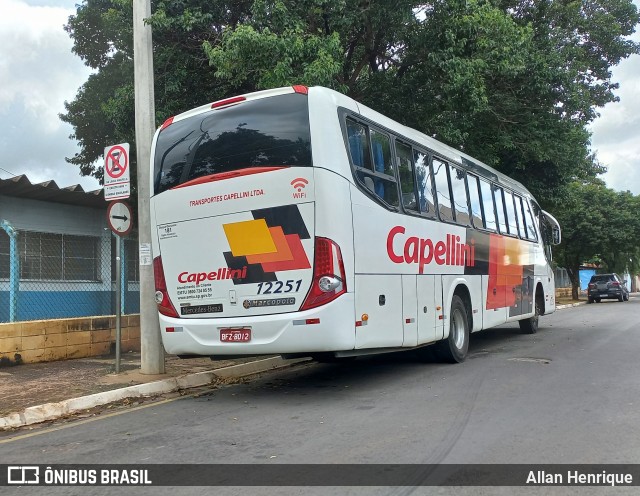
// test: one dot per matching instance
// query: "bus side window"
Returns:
(385, 187)
(488, 206)
(407, 178)
(370, 153)
(423, 177)
(512, 222)
(358, 144)
(474, 201)
(497, 196)
(528, 218)
(441, 176)
(381, 149)
(522, 228)
(460, 200)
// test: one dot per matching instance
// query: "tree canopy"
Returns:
(512, 82)
(599, 225)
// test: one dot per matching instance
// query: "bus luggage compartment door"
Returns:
(409, 310)
(380, 298)
(430, 326)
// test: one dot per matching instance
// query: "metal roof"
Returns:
(21, 187)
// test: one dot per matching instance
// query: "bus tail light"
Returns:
(328, 275)
(299, 88)
(167, 123)
(228, 101)
(165, 307)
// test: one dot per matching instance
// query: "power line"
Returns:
(8, 172)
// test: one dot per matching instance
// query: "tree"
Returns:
(620, 252)
(598, 223)
(103, 111)
(511, 82)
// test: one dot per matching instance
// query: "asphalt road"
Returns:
(569, 394)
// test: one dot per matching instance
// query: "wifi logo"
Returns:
(299, 184)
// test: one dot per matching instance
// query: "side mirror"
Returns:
(556, 232)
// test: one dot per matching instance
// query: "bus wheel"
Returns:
(530, 325)
(454, 348)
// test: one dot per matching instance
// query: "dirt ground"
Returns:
(26, 385)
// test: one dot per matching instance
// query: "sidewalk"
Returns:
(33, 393)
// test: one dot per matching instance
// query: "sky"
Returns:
(38, 73)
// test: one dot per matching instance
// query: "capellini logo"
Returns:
(299, 184)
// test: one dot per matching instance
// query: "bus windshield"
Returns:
(270, 131)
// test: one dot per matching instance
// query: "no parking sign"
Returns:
(116, 172)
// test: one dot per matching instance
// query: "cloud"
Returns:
(616, 133)
(38, 73)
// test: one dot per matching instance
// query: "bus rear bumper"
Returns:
(330, 327)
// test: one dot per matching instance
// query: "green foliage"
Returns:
(103, 111)
(598, 225)
(512, 82)
(246, 54)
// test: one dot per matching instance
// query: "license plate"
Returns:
(235, 335)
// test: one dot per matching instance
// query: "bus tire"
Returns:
(454, 348)
(530, 325)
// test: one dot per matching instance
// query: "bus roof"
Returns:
(338, 99)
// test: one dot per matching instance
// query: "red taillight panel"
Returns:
(166, 123)
(228, 101)
(327, 264)
(165, 307)
(299, 88)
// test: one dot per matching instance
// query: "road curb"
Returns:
(569, 305)
(52, 411)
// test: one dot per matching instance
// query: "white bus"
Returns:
(297, 221)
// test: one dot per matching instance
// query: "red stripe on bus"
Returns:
(228, 175)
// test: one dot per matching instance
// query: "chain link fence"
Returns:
(48, 275)
(562, 278)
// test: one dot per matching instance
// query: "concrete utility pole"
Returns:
(152, 360)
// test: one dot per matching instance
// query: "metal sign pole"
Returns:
(118, 308)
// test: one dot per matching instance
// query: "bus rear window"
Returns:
(271, 131)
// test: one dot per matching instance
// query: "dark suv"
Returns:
(607, 286)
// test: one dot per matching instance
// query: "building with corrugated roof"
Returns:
(57, 252)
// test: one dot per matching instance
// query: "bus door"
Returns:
(430, 325)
